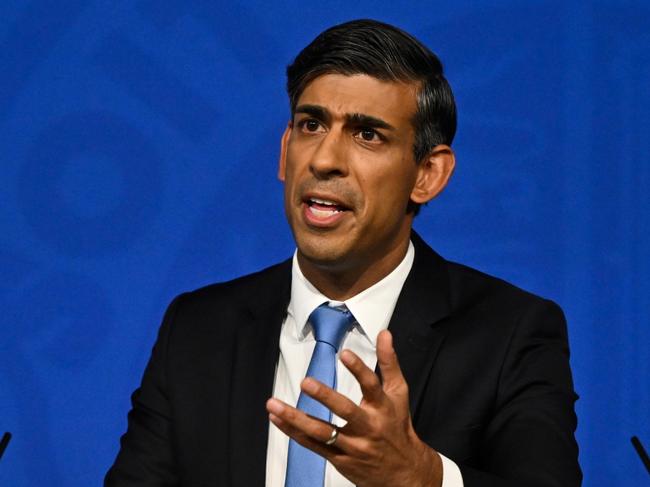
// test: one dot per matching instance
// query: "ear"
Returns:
(282, 165)
(433, 174)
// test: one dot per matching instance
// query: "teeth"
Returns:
(322, 213)
(323, 202)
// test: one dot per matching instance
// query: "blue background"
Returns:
(138, 149)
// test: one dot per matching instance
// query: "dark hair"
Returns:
(386, 53)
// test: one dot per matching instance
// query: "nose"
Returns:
(329, 158)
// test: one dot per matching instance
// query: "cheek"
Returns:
(384, 198)
(394, 183)
(393, 196)
(295, 160)
(290, 168)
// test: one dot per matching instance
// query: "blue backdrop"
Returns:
(138, 148)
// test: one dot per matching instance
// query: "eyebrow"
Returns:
(315, 111)
(358, 119)
(368, 121)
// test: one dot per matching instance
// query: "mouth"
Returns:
(323, 212)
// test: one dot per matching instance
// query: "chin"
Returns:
(323, 251)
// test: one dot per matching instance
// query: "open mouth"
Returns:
(323, 212)
(324, 208)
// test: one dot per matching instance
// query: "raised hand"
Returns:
(378, 446)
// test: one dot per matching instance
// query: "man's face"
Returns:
(348, 168)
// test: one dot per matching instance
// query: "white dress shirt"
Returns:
(372, 310)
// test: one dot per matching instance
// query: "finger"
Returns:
(314, 445)
(357, 425)
(391, 373)
(298, 420)
(343, 448)
(308, 431)
(367, 379)
(336, 402)
(313, 433)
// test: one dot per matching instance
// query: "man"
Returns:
(482, 393)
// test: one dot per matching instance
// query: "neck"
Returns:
(342, 282)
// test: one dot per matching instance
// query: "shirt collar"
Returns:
(372, 308)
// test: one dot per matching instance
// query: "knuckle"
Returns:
(349, 410)
(296, 415)
(372, 383)
(324, 433)
(363, 449)
(400, 388)
(376, 432)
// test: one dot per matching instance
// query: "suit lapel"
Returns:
(418, 324)
(256, 356)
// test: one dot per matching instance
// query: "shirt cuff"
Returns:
(451, 476)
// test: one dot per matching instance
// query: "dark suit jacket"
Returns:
(487, 366)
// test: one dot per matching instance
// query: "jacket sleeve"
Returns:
(529, 440)
(146, 455)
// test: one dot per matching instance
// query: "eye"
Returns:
(369, 135)
(310, 125)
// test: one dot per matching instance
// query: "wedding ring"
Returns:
(333, 437)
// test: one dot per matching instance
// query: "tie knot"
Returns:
(330, 324)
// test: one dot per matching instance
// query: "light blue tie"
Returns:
(304, 467)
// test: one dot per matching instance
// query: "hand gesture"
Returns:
(378, 446)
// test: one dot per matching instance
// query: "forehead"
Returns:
(392, 101)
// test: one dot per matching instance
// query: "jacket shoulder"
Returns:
(473, 289)
(468, 288)
(478, 284)
(258, 287)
